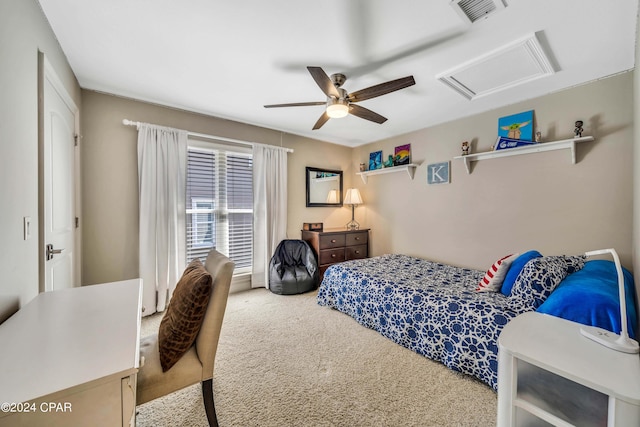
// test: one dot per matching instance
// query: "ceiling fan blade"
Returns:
(324, 81)
(296, 104)
(321, 121)
(365, 113)
(381, 89)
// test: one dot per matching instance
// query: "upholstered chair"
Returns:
(196, 365)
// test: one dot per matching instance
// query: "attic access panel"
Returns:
(511, 65)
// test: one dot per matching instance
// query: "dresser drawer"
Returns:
(329, 256)
(332, 241)
(334, 246)
(356, 252)
(360, 238)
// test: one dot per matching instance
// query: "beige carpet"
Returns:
(285, 361)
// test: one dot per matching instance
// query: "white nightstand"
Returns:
(549, 374)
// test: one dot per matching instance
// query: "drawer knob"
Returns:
(333, 240)
(333, 255)
(357, 238)
(357, 252)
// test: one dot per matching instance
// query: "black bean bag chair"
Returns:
(293, 269)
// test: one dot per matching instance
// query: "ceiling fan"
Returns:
(340, 103)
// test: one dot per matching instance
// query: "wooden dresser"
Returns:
(332, 246)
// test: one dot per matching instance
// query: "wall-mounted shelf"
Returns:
(537, 148)
(410, 169)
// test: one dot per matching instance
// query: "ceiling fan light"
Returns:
(336, 111)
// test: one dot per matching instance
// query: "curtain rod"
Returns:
(127, 122)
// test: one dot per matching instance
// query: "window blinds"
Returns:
(219, 204)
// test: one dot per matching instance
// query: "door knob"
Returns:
(51, 252)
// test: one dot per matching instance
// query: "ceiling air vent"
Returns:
(474, 10)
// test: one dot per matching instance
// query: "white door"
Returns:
(59, 260)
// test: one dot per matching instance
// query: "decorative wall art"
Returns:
(438, 173)
(517, 126)
(402, 155)
(375, 160)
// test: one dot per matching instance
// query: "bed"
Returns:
(437, 311)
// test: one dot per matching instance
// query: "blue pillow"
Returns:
(516, 267)
(590, 296)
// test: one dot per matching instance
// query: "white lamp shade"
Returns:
(353, 197)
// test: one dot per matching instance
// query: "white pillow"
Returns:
(492, 280)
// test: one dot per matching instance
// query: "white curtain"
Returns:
(269, 208)
(162, 162)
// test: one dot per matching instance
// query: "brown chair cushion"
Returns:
(182, 320)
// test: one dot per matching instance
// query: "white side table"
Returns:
(549, 374)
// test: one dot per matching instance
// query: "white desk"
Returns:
(549, 374)
(73, 356)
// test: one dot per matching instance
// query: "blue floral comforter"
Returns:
(425, 306)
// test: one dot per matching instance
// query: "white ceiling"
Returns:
(229, 58)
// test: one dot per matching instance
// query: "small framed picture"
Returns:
(402, 155)
(517, 126)
(375, 160)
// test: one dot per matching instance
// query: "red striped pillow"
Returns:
(492, 280)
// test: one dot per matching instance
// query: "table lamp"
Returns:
(617, 342)
(353, 198)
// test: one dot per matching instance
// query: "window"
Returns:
(219, 203)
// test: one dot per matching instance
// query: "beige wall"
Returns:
(110, 186)
(537, 201)
(23, 32)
